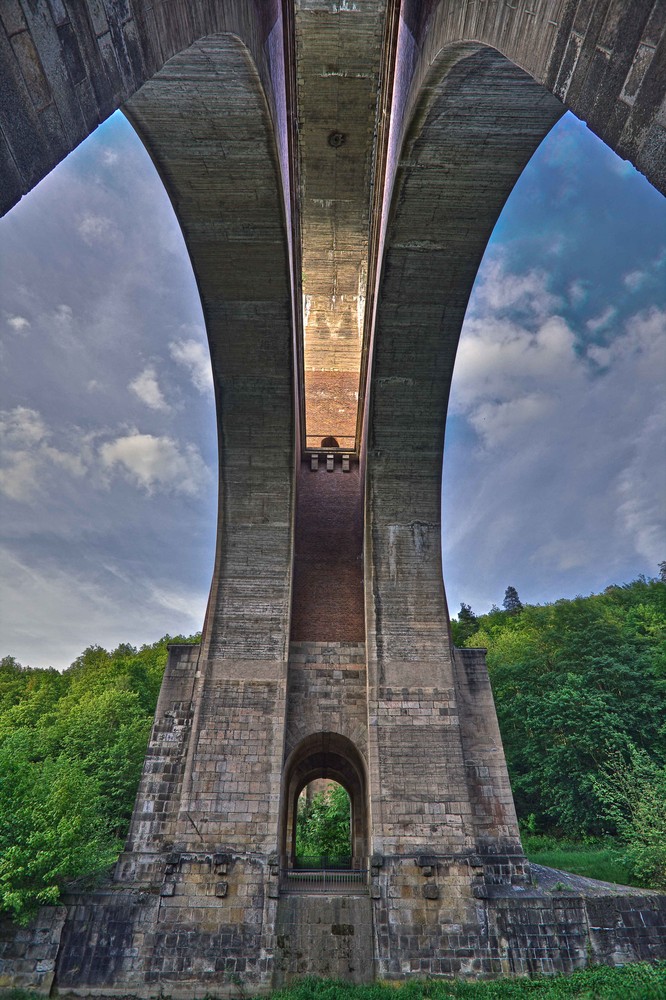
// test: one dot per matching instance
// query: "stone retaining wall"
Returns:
(28, 954)
(122, 941)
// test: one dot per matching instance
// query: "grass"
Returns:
(631, 982)
(602, 859)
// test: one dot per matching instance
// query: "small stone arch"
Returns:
(333, 756)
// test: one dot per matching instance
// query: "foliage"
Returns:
(466, 625)
(600, 859)
(631, 982)
(634, 791)
(576, 683)
(637, 981)
(323, 824)
(50, 829)
(72, 746)
(512, 603)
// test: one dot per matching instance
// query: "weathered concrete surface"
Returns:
(327, 936)
(204, 119)
(67, 66)
(423, 717)
(28, 954)
(338, 65)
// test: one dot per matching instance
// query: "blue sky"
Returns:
(554, 463)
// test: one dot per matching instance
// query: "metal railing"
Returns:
(321, 862)
(324, 875)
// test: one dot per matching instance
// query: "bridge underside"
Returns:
(337, 169)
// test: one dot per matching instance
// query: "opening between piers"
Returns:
(321, 759)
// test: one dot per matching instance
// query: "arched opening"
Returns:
(558, 361)
(324, 760)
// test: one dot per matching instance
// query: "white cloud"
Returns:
(602, 320)
(578, 292)
(641, 487)
(184, 602)
(497, 358)
(634, 279)
(496, 423)
(500, 291)
(94, 610)
(147, 388)
(155, 463)
(565, 469)
(21, 427)
(642, 345)
(193, 355)
(25, 454)
(97, 229)
(18, 323)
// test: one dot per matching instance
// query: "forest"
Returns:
(580, 689)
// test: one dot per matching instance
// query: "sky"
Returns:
(554, 467)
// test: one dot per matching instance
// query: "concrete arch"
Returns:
(66, 67)
(225, 189)
(325, 755)
(604, 60)
(466, 119)
(446, 203)
(208, 117)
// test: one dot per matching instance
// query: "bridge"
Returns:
(337, 167)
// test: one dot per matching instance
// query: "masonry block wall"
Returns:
(327, 692)
(28, 954)
(494, 815)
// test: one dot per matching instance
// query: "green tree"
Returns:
(512, 602)
(573, 682)
(72, 746)
(323, 824)
(633, 790)
(52, 830)
(466, 625)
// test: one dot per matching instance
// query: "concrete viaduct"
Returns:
(337, 167)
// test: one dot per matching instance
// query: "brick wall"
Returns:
(327, 601)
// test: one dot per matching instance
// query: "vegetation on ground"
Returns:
(580, 690)
(601, 859)
(72, 746)
(632, 982)
(638, 981)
